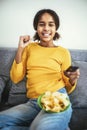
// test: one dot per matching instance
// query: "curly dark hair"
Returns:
(37, 18)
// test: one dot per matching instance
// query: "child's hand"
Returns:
(72, 75)
(24, 41)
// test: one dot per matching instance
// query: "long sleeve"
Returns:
(65, 65)
(18, 71)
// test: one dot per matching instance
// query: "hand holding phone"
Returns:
(73, 74)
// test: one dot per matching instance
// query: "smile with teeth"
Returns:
(46, 34)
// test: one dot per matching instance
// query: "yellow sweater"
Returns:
(43, 67)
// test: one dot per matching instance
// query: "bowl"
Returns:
(41, 105)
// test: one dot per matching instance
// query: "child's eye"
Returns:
(41, 24)
(51, 25)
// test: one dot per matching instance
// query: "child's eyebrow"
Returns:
(44, 22)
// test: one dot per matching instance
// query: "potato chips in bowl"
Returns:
(53, 101)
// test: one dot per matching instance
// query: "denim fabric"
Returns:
(15, 128)
(29, 116)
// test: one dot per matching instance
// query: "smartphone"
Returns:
(72, 68)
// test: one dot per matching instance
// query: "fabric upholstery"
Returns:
(79, 99)
(6, 59)
(17, 91)
(79, 96)
(79, 119)
(3, 81)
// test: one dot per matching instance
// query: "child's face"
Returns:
(46, 28)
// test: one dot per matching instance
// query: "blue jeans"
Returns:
(29, 116)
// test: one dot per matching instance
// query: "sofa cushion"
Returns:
(17, 94)
(3, 81)
(79, 119)
(6, 60)
(78, 97)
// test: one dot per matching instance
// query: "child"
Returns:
(44, 64)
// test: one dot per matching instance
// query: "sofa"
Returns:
(13, 94)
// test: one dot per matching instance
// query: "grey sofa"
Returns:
(13, 94)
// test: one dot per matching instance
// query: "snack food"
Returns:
(53, 101)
